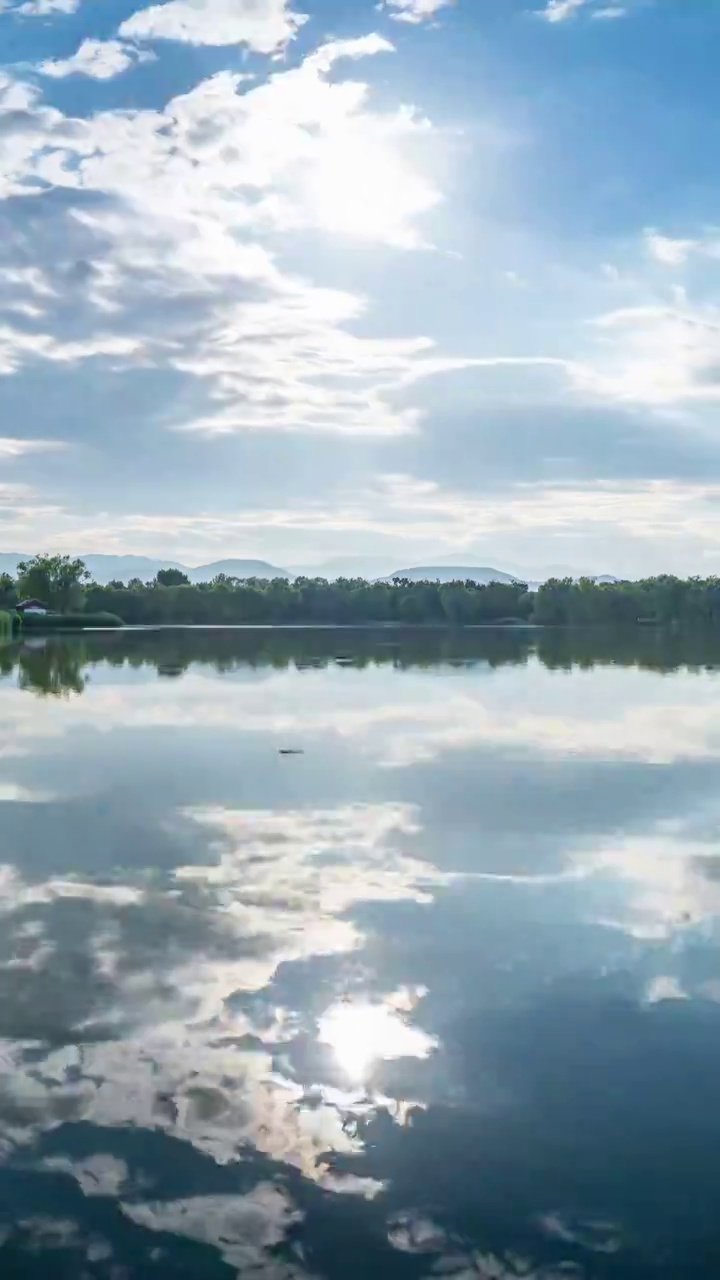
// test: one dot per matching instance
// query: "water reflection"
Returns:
(361, 1034)
(54, 663)
(439, 996)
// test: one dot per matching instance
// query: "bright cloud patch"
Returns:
(415, 11)
(263, 25)
(171, 264)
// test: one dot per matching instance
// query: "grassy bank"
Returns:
(6, 625)
(38, 622)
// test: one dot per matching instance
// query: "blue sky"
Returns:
(428, 279)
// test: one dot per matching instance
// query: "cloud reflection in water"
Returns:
(302, 1020)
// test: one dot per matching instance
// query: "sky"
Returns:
(420, 280)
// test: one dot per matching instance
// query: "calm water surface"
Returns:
(437, 997)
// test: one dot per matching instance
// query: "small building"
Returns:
(31, 606)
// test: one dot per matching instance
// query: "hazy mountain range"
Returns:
(451, 573)
(105, 568)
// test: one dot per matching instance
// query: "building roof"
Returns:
(31, 604)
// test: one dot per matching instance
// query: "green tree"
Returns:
(666, 601)
(172, 578)
(56, 580)
(8, 592)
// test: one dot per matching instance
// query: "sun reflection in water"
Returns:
(362, 1034)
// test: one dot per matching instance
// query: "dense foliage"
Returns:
(171, 599)
(314, 600)
(69, 621)
(664, 600)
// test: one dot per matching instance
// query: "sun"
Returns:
(362, 1034)
(363, 186)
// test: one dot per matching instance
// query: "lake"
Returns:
(438, 994)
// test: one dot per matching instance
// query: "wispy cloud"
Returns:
(100, 59)
(561, 10)
(676, 251)
(13, 447)
(657, 355)
(43, 8)
(670, 251)
(402, 510)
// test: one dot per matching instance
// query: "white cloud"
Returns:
(666, 887)
(12, 447)
(651, 521)
(242, 1228)
(414, 11)
(560, 10)
(326, 55)
(671, 252)
(43, 8)
(664, 987)
(262, 25)
(657, 355)
(278, 887)
(324, 860)
(16, 346)
(100, 59)
(177, 272)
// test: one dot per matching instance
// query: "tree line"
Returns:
(65, 585)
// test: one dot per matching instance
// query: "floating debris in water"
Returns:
(291, 751)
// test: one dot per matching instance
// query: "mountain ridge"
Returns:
(106, 567)
(452, 573)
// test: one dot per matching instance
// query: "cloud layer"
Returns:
(276, 267)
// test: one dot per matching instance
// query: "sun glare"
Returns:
(367, 190)
(360, 1035)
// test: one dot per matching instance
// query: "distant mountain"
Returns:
(452, 573)
(344, 567)
(9, 561)
(236, 569)
(536, 574)
(106, 568)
